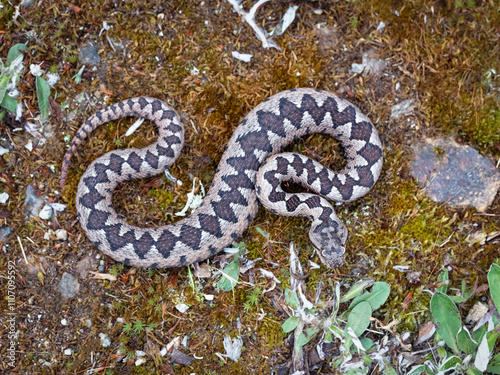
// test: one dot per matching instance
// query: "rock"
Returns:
(413, 277)
(62, 234)
(83, 266)
(140, 361)
(202, 270)
(27, 3)
(68, 286)
(32, 203)
(4, 197)
(181, 358)
(5, 232)
(476, 313)
(455, 174)
(182, 307)
(105, 341)
(3, 150)
(402, 109)
(369, 64)
(88, 55)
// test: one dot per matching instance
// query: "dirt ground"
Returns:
(441, 54)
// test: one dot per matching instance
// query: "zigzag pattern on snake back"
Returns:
(250, 166)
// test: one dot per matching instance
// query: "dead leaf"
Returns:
(103, 276)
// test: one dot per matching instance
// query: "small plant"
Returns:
(9, 76)
(252, 299)
(307, 320)
(139, 326)
(78, 76)
(231, 272)
(458, 349)
(127, 328)
(113, 270)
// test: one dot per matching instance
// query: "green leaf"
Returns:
(367, 343)
(262, 233)
(494, 366)
(419, 369)
(450, 363)
(491, 337)
(305, 337)
(446, 315)
(477, 335)
(458, 299)
(473, 371)
(290, 324)
(9, 103)
(465, 342)
(333, 331)
(494, 282)
(43, 93)
(465, 293)
(377, 296)
(14, 52)
(4, 81)
(388, 370)
(291, 298)
(356, 289)
(230, 276)
(359, 318)
(443, 276)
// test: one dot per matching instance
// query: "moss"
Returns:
(484, 128)
(164, 198)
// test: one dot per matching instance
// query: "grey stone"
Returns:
(89, 55)
(68, 286)
(83, 266)
(181, 358)
(5, 232)
(27, 3)
(32, 203)
(402, 109)
(455, 174)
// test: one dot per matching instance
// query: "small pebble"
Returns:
(140, 361)
(477, 312)
(62, 234)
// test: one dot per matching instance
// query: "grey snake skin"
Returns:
(251, 170)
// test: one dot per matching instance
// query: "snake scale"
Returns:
(251, 170)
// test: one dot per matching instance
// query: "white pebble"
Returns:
(140, 361)
(62, 234)
(182, 307)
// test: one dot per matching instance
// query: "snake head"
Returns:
(329, 238)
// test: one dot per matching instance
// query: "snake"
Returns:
(251, 172)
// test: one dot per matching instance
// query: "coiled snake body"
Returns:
(250, 170)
